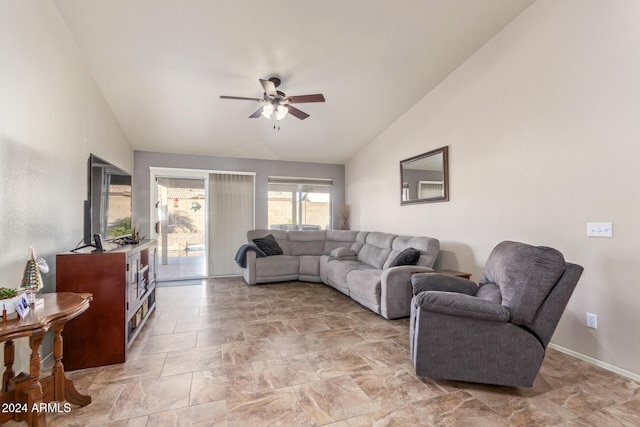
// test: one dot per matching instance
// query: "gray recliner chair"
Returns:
(496, 332)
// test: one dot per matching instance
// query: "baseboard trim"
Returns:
(596, 362)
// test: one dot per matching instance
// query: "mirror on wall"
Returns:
(425, 178)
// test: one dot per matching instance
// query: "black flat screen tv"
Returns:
(108, 205)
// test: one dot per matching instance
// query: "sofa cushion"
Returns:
(339, 239)
(281, 237)
(310, 265)
(307, 242)
(268, 245)
(409, 256)
(429, 249)
(337, 270)
(364, 287)
(376, 249)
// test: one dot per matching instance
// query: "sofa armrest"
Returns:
(249, 272)
(396, 291)
(462, 305)
(442, 282)
(342, 254)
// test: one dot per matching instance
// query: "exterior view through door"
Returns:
(182, 228)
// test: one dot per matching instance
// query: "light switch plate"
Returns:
(600, 229)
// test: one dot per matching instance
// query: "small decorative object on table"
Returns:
(22, 305)
(32, 280)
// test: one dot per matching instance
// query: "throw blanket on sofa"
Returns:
(241, 255)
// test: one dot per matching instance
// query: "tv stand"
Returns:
(122, 280)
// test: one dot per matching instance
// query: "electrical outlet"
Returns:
(600, 229)
(592, 321)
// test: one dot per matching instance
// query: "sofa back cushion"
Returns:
(339, 239)
(429, 249)
(280, 236)
(376, 249)
(525, 274)
(310, 242)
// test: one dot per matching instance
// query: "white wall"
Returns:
(52, 116)
(543, 130)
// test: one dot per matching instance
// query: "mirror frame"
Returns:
(445, 169)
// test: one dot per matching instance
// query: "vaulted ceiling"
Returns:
(163, 64)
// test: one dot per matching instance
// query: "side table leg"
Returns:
(63, 387)
(34, 393)
(58, 369)
(9, 357)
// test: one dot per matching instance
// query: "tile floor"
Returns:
(299, 354)
(181, 267)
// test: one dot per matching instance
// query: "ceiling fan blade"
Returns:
(318, 97)
(242, 98)
(256, 114)
(297, 113)
(269, 87)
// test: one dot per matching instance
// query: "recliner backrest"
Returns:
(307, 242)
(339, 239)
(525, 274)
(429, 249)
(281, 237)
(376, 249)
(548, 316)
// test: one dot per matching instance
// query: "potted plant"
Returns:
(6, 299)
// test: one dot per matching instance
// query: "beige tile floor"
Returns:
(299, 354)
(182, 267)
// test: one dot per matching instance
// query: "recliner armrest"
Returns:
(462, 305)
(442, 282)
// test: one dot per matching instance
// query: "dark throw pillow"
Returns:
(409, 256)
(268, 245)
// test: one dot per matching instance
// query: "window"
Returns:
(430, 189)
(299, 204)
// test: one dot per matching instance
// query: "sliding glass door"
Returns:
(202, 219)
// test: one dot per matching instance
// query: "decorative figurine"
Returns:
(32, 279)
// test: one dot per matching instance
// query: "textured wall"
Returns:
(542, 128)
(52, 116)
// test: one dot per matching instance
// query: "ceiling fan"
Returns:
(276, 102)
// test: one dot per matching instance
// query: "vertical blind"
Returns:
(231, 214)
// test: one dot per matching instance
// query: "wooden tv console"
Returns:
(122, 280)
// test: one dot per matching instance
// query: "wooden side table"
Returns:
(454, 273)
(25, 396)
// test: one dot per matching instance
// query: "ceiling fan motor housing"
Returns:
(276, 81)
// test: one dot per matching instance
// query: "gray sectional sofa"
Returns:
(356, 263)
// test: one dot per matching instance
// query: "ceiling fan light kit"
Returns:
(275, 101)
